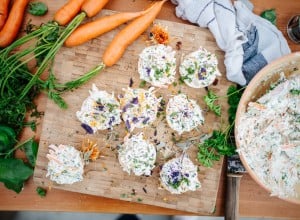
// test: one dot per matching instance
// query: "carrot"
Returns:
(3, 12)
(92, 7)
(13, 23)
(100, 26)
(68, 11)
(129, 34)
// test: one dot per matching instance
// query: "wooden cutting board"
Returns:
(105, 176)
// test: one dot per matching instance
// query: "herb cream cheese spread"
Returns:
(269, 136)
(65, 164)
(137, 155)
(99, 111)
(179, 175)
(199, 68)
(157, 65)
(139, 107)
(183, 114)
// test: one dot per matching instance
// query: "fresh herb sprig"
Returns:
(17, 84)
(221, 142)
(210, 100)
(41, 191)
(295, 91)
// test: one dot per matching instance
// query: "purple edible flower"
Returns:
(148, 70)
(111, 120)
(135, 120)
(186, 114)
(176, 177)
(146, 120)
(127, 125)
(175, 174)
(200, 76)
(100, 107)
(135, 100)
(87, 128)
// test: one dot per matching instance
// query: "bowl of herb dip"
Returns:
(267, 128)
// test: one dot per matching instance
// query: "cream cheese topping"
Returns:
(183, 114)
(65, 164)
(99, 111)
(199, 68)
(137, 155)
(157, 65)
(139, 107)
(179, 175)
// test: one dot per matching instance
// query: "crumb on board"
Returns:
(178, 45)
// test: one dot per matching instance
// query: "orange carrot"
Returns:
(100, 26)
(13, 23)
(3, 12)
(129, 34)
(92, 7)
(68, 11)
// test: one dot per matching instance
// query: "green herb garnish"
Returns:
(207, 155)
(269, 15)
(158, 73)
(233, 98)
(190, 70)
(41, 192)
(295, 91)
(221, 142)
(37, 8)
(176, 184)
(209, 100)
(142, 84)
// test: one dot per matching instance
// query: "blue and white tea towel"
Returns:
(248, 40)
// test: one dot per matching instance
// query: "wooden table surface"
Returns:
(254, 200)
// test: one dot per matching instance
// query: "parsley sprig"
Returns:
(295, 91)
(221, 142)
(210, 100)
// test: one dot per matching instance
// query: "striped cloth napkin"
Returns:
(249, 41)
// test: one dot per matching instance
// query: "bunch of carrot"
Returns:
(141, 21)
(90, 7)
(11, 20)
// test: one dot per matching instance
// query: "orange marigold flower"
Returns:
(159, 34)
(90, 150)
